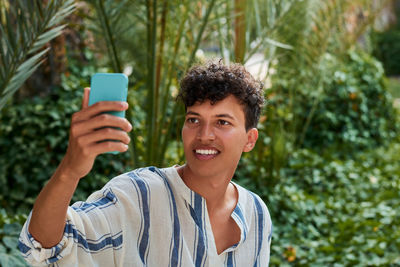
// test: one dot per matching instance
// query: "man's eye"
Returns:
(192, 120)
(223, 122)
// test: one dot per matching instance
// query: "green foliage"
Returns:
(387, 50)
(332, 212)
(351, 109)
(10, 227)
(320, 34)
(354, 109)
(25, 27)
(28, 161)
(343, 109)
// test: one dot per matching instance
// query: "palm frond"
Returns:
(25, 28)
(108, 23)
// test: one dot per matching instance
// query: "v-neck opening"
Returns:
(191, 197)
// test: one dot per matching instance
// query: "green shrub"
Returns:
(33, 136)
(334, 212)
(355, 109)
(349, 108)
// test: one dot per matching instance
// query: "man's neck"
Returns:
(218, 192)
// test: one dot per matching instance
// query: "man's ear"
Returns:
(252, 136)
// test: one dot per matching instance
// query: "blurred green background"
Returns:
(327, 160)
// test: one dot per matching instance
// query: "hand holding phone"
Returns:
(89, 128)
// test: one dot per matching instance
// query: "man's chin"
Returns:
(201, 167)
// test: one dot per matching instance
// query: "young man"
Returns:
(190, 215)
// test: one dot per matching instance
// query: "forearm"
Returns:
(89, 126)
(49, 211)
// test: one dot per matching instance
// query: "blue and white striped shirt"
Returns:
(149, 217)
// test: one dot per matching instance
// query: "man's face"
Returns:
(214, 137)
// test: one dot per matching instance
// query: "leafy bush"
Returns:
(334, 212)
(350, 107)
(355, 109)
(34, 135)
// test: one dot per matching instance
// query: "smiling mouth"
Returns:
(206, 151)
(205, 154)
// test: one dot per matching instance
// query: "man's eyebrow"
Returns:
(192, 113)
(225, 116)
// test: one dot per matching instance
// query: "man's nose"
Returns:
(206, 133)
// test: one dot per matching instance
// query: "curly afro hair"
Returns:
(215, 81)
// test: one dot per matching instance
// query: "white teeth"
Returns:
(206, 151)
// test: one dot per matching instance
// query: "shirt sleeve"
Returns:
(93, 234)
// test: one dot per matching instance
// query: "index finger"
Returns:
(103, 106)
(85, 100)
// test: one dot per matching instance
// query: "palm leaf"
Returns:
(25, 29)
(17, 80)
(108, 24)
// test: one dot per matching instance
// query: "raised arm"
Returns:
(87, 129)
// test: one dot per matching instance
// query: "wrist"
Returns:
(65, 174)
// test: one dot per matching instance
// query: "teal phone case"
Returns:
(109, 87)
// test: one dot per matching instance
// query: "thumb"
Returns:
(85, 101)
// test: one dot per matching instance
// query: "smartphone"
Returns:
(109, 87)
